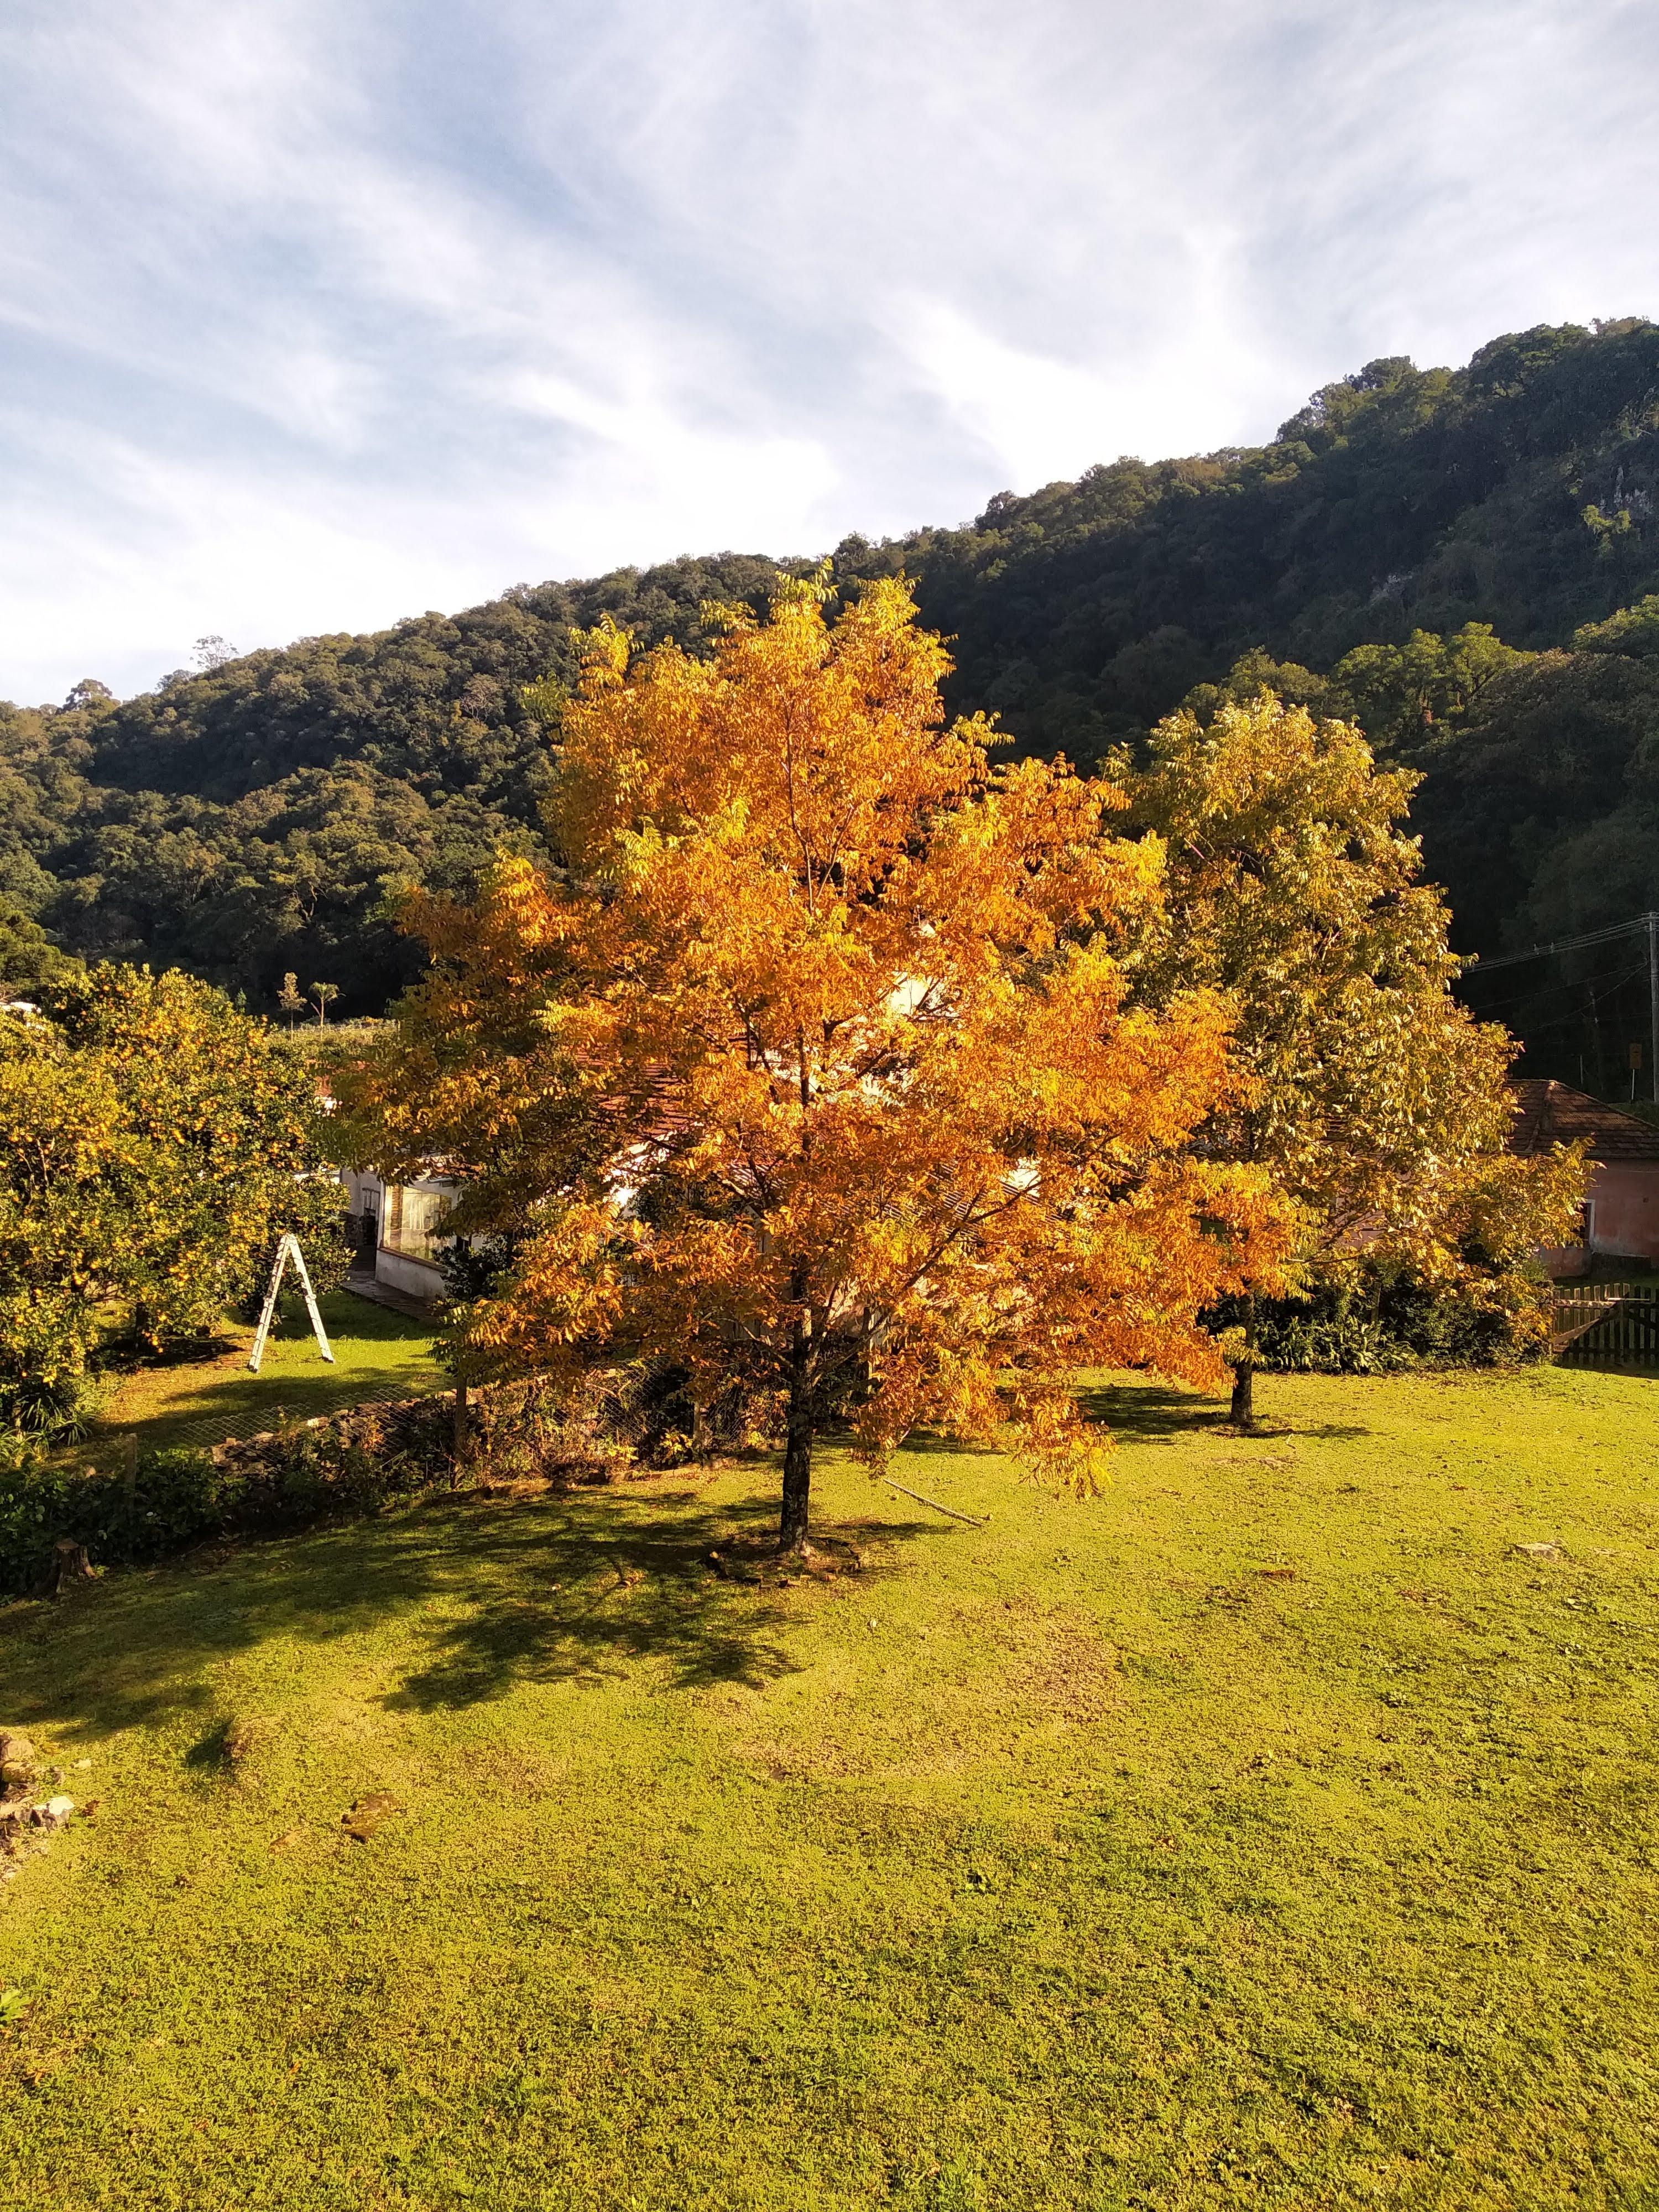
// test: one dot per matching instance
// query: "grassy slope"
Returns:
(377, 1354)
(1072, 1862)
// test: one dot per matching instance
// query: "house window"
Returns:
(414, 1220)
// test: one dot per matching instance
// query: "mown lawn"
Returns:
(1267, 1832)
(377, 1354)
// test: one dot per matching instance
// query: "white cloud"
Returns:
(319, 314)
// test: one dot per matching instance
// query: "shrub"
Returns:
(34, 1512)
(1384, 1318)
(353, 1464)
(174, 1499)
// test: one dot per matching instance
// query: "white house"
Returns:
(401, 1227)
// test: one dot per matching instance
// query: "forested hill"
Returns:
(248, 818)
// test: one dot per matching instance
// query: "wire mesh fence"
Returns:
(226, 1428)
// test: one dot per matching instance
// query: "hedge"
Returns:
(340, 1465)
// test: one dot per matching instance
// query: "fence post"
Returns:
(1607, 1321)
(129, 1476)
(458, 1456)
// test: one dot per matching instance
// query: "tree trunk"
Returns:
(69, 1564)
(797, 1450)
(1242, 1411)
(458, 1454)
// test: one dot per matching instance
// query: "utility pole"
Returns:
(1652, 920)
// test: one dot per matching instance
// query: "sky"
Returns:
(317, 314)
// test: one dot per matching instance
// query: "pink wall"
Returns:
(1624, 1197)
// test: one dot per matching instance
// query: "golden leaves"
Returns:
(819, 1058)
(1377, 1103)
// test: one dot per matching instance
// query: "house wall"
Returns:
(406, 1215)
(1624, 1198)
(1562, 1262)
(1623, 1209)
(399, 1271)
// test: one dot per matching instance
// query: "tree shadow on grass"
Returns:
(1149, 1412)
(575, 1589)
(590, 1598)
(925, 1443)
(1145, 1409)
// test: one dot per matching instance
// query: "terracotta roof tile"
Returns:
(1555, 1114)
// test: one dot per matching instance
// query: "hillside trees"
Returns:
(29, 960)
(261, 814)
(1375, 1102)
(1392, 556)
(1536, 799)
(813, 1063)
(153, 1145)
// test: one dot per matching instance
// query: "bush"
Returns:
(1383, 1319)
(353, 1464)
(34, 1512)
(175, 1497)
(47, 1386)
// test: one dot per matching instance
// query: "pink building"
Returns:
(1621, 1211)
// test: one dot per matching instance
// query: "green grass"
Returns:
(377, 1354)
(1267, 1832)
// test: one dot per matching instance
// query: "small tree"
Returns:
(291, 999)
(323, 996)
(1375, 1102)
(153, 1145)
(813, 1063)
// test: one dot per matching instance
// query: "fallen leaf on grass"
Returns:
(1277, 1574)
(369, 1813)
(288, 1839)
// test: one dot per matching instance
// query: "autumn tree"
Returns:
(812, 1063)
(1376, 1103)
(153, 1145)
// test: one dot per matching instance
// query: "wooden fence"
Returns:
(1593, 1322)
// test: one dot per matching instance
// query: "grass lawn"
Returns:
(1268, 1831)
(377, 1354)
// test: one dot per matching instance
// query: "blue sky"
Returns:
(318, 312)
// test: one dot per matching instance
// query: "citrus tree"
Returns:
(812, 1062)
(153, 1145)
(1378, 1105)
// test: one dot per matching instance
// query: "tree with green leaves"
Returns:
(1377, 1104)
(30, 960)
(155, 1144)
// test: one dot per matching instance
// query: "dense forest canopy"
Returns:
(1465, 560)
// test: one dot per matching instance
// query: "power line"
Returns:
(1483, 967)
(1596, 988)
(1648, 923)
